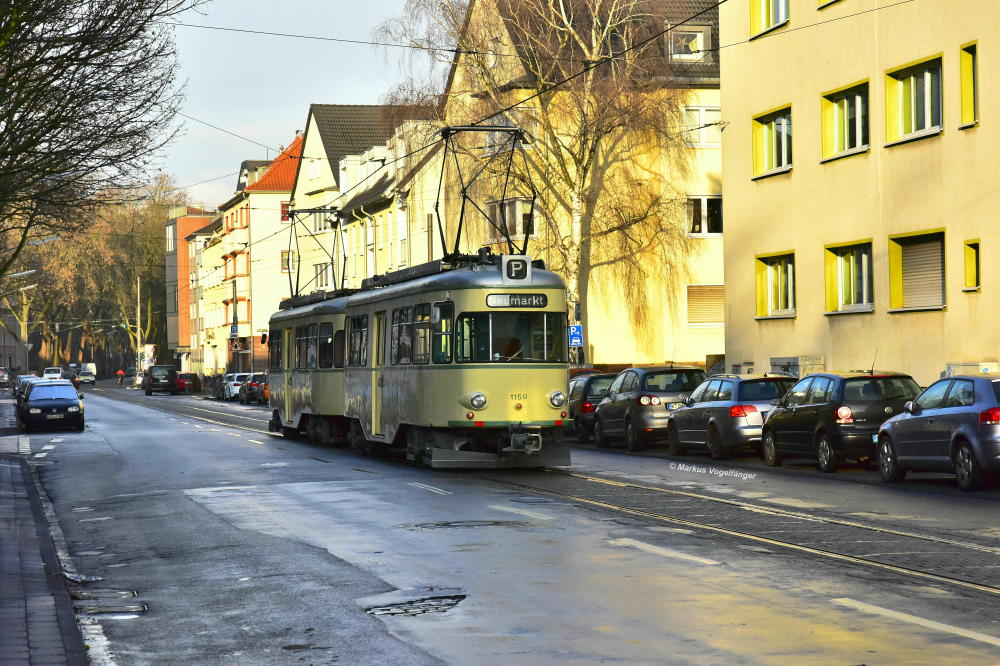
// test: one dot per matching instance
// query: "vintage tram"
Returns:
(463, 363)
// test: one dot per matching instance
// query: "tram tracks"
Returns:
(928, 557)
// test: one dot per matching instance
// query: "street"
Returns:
(243, 547)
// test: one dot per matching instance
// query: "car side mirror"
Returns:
(910, 407)
(81, 395)
(776, 402)
(684, 398)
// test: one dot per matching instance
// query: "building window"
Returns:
(972, 276)
(845, 121)
(498, 142)
(916, 271)
(776, 286)
(171, 245)
(913, 100)
(703, 126)
(773, 142)
(849, 278)
(706, 304)
(766, 14)
(970, 85)
(705, 215)
(286, 211)
(321, 275)
(689, 43)
(515, 215)
(287, 261)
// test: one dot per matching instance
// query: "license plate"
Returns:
(875, 439)
(54, 416)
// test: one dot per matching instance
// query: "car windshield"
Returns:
(241, 378)
(53, 393)
(186, 375)
(598, 386)
(511, 337)
(875, 389)
(763, 389)
(673, 381)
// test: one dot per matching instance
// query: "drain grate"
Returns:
(418, 606)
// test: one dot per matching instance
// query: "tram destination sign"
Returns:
(517, 300)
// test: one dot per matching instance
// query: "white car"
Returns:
(137, 381)
(231, 389)
(52, 373)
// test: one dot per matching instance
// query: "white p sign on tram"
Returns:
(515, 269)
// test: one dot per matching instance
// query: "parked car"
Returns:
(249, 390)
(576, 372)
(87, 377)
(231, 387)
(72, 377)
(51, 403)
(726, 413)
(585, 393)
(189, 381)
(22, 383)
(52, 373)
(953, 426)
(160, 378)
(5, 378)
(639, 401)
(137, 379)
(833, 416)
(130, 372)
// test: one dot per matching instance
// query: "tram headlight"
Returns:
(477, 400)
(558, 399)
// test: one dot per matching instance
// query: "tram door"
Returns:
(289, 363)
(378, 360)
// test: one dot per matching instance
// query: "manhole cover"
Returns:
(418, 606)
(464, 523)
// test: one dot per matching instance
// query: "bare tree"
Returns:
(88, 97)
(603, 111)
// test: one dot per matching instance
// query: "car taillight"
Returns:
(844, 414)
(253, 383)
(990, 416)
(647, 400)
(587, 407)
(739, 411)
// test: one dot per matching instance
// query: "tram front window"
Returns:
(511, 337)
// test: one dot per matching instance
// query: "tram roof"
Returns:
(325, 307)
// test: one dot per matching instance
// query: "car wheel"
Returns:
(80, 427)
(827, 460)
(242, 400)
(632, 438)
(769, 449)
(148, 392)
(674, 441)
(967, 470)
(600, 437)
(27, 427)
(582, 436)
(888, 464)
(716, 448)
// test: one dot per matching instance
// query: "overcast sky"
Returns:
(261, 86)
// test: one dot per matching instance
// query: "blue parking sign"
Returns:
(576, 335)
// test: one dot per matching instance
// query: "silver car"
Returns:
(725, 414)
(953, 426)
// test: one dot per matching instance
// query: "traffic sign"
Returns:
(236, 346)
(576, 335)
(234, 331)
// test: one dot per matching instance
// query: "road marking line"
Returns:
(56, 440)
(48, 447)
(197, 426)
(41, 455)
(913, 619)
(523, 512)
(255, 441)
(185, 423)
(231, 434)
(657, 550)
(95, 520)
(432, 489)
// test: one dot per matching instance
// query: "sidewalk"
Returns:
(37, 622)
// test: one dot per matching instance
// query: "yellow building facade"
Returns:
(859, 185)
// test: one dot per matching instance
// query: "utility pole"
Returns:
(234, 331)
(138, 325)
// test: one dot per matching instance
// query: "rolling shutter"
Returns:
(923, 272)
(706, 304)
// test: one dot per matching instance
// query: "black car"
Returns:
(251, 389)
(160, 378)
(585, 392)
(51, 403)
(832, 416)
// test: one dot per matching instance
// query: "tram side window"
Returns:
(338, 349)
(301, 345)
(274, 348)
(326, 345)
(441, 337)
(401, 341)
(422, 334)
(358, 349)
(311, 347)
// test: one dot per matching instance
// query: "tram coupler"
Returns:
(519, 441)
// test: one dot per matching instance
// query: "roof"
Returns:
(348, 129)
(246, 166)
(281, 176)
(369, 196)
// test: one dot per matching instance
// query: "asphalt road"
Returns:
(247, 548)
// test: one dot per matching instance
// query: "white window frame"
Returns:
(772, 13)
(702, 201)
(322, 275)
(858, 98)
(777, 157)
(926, 73)
(522, 205)
(782, 269)
(695, 134)
(846, 268)
(171, 245)
(286, 261)
(704, 36)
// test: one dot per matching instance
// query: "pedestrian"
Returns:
(121, 376)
